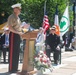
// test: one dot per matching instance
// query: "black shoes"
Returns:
(14, 71)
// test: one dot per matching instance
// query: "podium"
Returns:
(28, 62)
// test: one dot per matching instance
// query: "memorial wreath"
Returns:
(42, 62)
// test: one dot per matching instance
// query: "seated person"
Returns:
(53, 42)
(5, 43)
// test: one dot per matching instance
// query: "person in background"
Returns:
(40, 40)
(67, 41)
(0, 44)
(16, 32)
(53, 43)
(5, 44)
(73, 43)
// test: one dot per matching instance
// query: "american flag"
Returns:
(45, 20)
(45, 23)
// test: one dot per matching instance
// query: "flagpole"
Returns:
(45, 7)
(67, 3)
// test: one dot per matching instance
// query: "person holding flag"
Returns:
(40, 41)
(41, 36)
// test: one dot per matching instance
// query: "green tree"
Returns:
(33, 10)
(5, 9)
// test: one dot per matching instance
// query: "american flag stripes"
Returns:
(45, 20)
(45, 23)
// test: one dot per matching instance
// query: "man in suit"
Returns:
(53, 42)
(5, 43)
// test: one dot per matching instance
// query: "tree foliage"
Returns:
(33, 10)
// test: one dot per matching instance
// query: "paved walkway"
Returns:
(67, 67)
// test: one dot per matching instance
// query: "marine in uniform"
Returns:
(53, 42)
(14, 25)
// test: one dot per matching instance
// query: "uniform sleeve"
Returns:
(58, 40)
(10, 21)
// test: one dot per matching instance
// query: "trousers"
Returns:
(4, 54)
(55, 53)
(14, 48)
